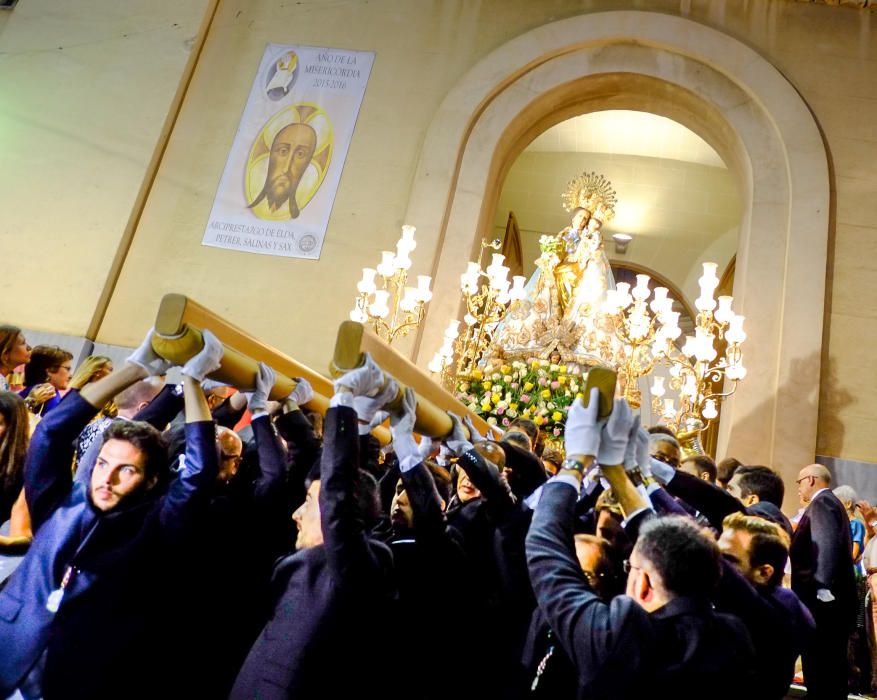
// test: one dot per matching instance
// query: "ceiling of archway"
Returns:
(626, 132)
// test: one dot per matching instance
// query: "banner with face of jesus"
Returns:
(279, 183)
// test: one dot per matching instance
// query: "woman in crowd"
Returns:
(94, 367)
(45, 377)
(14, 351)
(14, 438)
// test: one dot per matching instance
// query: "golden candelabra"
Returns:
(695, 372)
(646, 331)
(487, 293)
(388, 305)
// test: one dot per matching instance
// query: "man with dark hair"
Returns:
(701, 466)
(754, 484)
(663, 638)
(333, 597)
(92, 579)
(725, 470)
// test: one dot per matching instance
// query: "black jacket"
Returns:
(683, 650)
(334, 602)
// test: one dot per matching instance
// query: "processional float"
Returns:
(178, 337)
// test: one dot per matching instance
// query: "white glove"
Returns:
(362, 381)
(615, 434)
(402, 430)
(630, 452)
(425, 447)
(145, 357)
(823, 595)
(643, 458)
(664, 473)
(368, 408)
(206, 361)
(302, 393)
(582, 436)
(474, 435)
(265, 378)
(209, 384)
(457, 441)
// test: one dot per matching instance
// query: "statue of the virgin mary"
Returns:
(562, 312)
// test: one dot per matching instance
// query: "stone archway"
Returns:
(720, 89)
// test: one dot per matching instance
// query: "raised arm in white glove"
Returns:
(265, 379)
(474, 435)
(302, 393)
(402, 430)
(457, 441)
(145, 357)
(582, 436)
(206, 361)
(615, 434)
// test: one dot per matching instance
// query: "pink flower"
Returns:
(500, 410)
(525, 398)
(556, 432)
(555, 385)
(514, 385)
(542, 381)
(505, 422)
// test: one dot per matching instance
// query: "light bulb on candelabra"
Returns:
(735, 332)
(423, 292)
(658, 387)
(367, 284)
(517, 291)
(409, 299)
(379, 307)
(436, 364)
(470, 320)
(407, 239)
(641, 290)
(386, 268)
(709, 409)
(659, 304)
(724, 314)
(358, 315)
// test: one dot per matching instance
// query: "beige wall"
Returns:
(89, 116)
(85, 90)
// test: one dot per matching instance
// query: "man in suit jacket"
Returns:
(823, 578)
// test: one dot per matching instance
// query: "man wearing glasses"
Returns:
(823, 578)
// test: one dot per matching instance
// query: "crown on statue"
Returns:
(592, 192)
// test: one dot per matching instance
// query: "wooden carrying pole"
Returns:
(178, 338)
(433, 402)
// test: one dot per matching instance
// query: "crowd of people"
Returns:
(187, 540)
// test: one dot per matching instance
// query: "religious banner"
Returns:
(280, 180)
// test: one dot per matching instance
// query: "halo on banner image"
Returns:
(281, 75)
(288, 162)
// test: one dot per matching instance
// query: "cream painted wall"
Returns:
(85, 89)
(73, 113)
(680, 213)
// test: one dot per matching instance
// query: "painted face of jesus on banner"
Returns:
(291, 153)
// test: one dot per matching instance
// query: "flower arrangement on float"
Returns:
(537, 389)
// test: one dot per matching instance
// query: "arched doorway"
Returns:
(720, 89)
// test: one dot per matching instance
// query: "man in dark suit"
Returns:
(663, 638)
(823, 578)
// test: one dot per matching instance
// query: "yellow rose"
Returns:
(556, 416)
(526, 413)
(561, 379)
(476, 374)
(580, 395)
(496, 398)
(528, 386)
(535, 363)
(487, 385)
(562, 369)
(505, 369)
(538, 420)
(513, 406)
(545, 393)
(486, 407)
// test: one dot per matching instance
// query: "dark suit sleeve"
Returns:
(48, 474)
(426, 504)
(713, 502)
(352, 563)
(188, 494)
(485, 477)
(226, 416)
(163, 408)
(832, 544)
(602, 641)
(268, 488)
